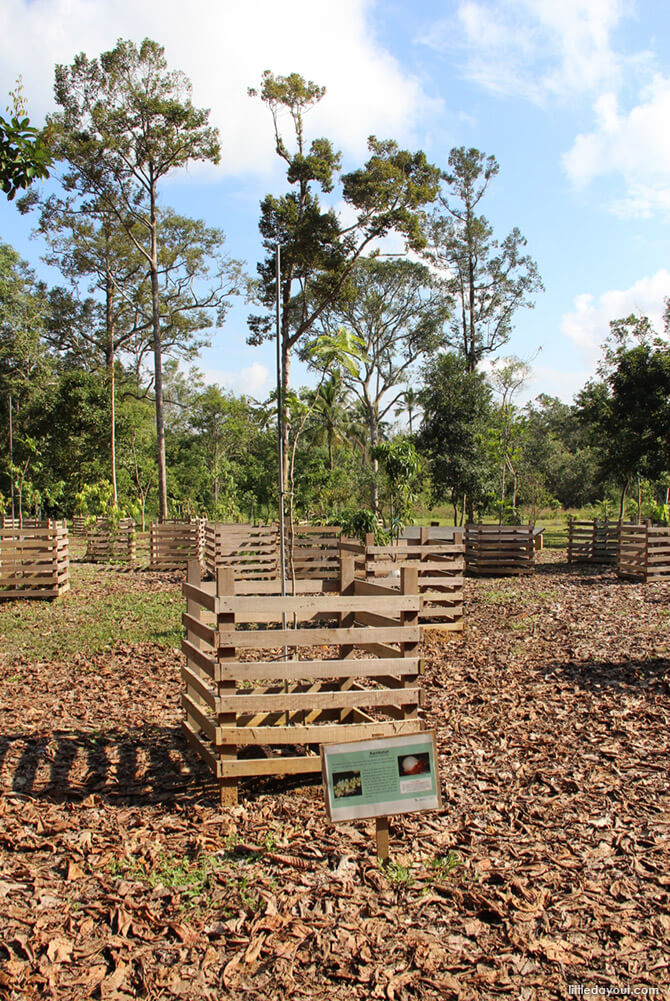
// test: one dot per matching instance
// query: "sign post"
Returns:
(379, 778)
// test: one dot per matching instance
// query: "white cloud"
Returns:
(587, 326)
(251, 381)
(535, 48)
(636, 145)
(224, 48)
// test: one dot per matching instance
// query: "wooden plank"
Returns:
(193, 680)
(199, 718)
(199, 746)
(201, 629)
(199, 659)
(295, 670)
(294, 702)
(264, 639)
(199, 595)
(316, 734)
(282, 765)
(308, 604)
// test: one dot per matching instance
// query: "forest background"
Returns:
(412, 412)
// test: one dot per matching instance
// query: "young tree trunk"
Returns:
(374, 440)
(109, 325)
(158, 365)
(623, 499)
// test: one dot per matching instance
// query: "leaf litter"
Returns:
(122, 877)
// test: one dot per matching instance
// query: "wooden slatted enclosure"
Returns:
(79, 524)
(499, 550)
(593, 541)
(173, 544)
(252, 552)
(643, 552)
(107, 542)
(278, 676)
(34, 561)
(313, 551)
(440, 563)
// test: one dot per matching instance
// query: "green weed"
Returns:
(443, 865)
(398, 875)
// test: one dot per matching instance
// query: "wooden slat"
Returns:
(264, 639)
(306, 669)
(318, 734)
(292, 702)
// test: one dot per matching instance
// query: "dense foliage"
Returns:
(102, 416)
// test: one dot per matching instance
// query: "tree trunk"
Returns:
(623, 499)
(639, 500)
(109, 327)
(158, 364)
(374, 440)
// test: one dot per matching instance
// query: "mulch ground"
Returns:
(121, 877)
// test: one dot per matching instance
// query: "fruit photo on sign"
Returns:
(413, 764)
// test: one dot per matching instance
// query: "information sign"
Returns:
(381, 777)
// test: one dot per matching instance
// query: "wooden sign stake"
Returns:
(382, 834)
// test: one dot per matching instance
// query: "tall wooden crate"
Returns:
(34, 561)
(499, 550)
(440, 564)
(643, 552)
(107, 542)
(173, 544)
(251, 551)
(594, 541)
(286, 686)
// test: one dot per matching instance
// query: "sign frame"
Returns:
(422, 748)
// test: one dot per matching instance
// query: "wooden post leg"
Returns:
(382, 836)
(225, 585)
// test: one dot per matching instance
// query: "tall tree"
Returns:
(456, 418)
(126, 122)
(489, 280)
(398, 314)
(318, 249)
(627, 410)
(106, 274)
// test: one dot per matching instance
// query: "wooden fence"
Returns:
(268, 688)
(173, 544)
(34, 561)
(110, 543)
(593, 541)
(643, 552)
(440, 566)
(499, 550)
(253, 552)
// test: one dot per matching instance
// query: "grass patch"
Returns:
(87, 624)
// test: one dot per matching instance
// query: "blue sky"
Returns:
(572, 98)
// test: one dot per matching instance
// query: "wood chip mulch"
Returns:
(121, 877)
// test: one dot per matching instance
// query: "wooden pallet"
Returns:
(499, 550)
(34, 561)
(173, 544)
(312, 670)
